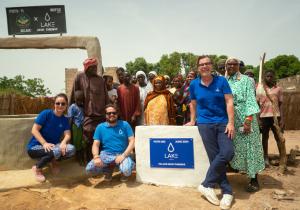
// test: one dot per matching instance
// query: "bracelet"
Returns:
(124, 155)
(250, 118)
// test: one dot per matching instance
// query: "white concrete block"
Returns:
(169, 176)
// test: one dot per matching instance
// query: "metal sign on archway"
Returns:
(36, 20)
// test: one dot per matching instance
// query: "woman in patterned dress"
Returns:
(159, 105)
(247, 145)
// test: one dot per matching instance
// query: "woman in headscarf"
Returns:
(176, 83)
(144, 90)
(159, 105)
(248, 151)
(185, 100)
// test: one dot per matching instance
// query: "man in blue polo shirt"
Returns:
(117, 142)
(212, 100)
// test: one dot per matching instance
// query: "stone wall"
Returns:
(70, 74)
(15, 132)
(112, 72)
(290, 83)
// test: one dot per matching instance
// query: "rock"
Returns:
(290, 192)
(279, 192)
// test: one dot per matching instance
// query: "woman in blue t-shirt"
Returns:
(48, 129)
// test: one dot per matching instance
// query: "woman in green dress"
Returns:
(247, 144)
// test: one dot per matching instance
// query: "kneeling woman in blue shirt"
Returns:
(47, 131)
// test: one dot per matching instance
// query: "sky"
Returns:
(128, 29)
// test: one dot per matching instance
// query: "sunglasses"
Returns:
(60, 104)
(109, 113)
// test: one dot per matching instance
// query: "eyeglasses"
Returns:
(232, 64)
(204, 64)
(109, 113)
(60, 104)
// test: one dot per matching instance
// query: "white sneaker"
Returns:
(226, 201)
(209, 194)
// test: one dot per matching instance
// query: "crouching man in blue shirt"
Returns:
(117, 142)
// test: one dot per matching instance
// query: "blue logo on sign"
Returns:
(171, 153)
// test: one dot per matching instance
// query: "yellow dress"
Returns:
(156, 112)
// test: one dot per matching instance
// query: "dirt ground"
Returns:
(95, 193)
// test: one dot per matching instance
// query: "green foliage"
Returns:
(29, 87)
(284, 65)
(171, 64)
(168, 64)
(139, 64)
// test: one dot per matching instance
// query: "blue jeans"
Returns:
(219, 150)
(38, 152)
(108, 160)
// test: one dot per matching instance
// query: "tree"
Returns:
(173, 63)
(139, 64)
(30, 87)
(284, 65)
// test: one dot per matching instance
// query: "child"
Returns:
(75, 113)
(112, 92)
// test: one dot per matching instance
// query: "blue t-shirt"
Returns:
(52, 127)
(76, 113)
(113, 138)
(211, 105)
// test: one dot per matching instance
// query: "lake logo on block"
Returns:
(171, 148)
(171, 153)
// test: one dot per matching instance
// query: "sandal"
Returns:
(253, 186)
(38, 174)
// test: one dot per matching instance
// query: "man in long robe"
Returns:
(95, 100)
(129, 101)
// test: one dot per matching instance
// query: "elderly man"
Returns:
(117, 142)
(212, 101)
(95, 99)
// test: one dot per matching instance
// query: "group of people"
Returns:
(103, 116)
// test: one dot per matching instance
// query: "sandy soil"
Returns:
(95, 193)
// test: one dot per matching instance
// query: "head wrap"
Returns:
(163, 80)
(249, 71)
(153, 72)
(89, 62)
(166, 77)
(232, 58)
(141, 73)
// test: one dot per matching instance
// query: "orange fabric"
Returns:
(170, 103)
